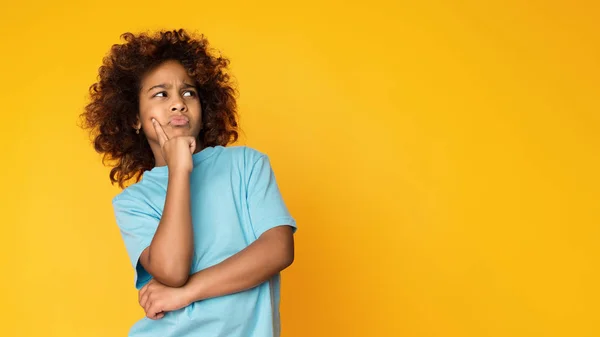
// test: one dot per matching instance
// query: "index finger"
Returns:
(141, 293)
(160, 133)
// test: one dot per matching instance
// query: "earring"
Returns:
(137, 131)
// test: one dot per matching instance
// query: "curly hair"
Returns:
(114, 100)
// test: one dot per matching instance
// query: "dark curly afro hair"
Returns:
(114, 100)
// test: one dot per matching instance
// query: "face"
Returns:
(168, 95)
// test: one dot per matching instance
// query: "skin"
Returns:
(168, 258)
(271, 253)
(166, 94)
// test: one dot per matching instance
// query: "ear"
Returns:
(138, 124)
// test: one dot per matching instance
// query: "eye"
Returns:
(189, 93)
(160, 94)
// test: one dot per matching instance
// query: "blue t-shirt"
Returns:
(234, 198)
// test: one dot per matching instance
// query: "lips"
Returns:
(179, 120)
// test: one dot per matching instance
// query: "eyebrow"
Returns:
(167, 86)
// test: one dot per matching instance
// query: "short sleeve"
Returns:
(265, 203)
(137, 225)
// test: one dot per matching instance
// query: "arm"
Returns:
(271, 253)
(168, 258)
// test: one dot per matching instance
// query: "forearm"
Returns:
(267, 256)
(170, 253)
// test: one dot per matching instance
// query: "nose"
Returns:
(178, 105)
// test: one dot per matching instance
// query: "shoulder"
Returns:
(246, 155)
(242, 150)
(130, 195)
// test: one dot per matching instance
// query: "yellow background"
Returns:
(440, 157)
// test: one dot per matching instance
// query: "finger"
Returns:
(153, 311)
(147, 308)
(144, 300)
(156, 311)
(142, 292)
(160, 133)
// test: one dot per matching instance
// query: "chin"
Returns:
(180, 131)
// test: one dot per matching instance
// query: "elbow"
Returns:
(174, 279)
(171, 273)
(286, 246)
(177, 276)
(287, 251)
(174, 275)
(287, 258)
(290, 260)
(176, 282)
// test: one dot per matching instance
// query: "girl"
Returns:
(204, 225)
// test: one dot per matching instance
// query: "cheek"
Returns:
(149, 131)
(146, 116)
(196, 109)
(147, 112)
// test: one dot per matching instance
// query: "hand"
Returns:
(156, 299)
(177, 151)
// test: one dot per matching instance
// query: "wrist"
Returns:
(179, 174)
(193, 290)
(187, 295)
